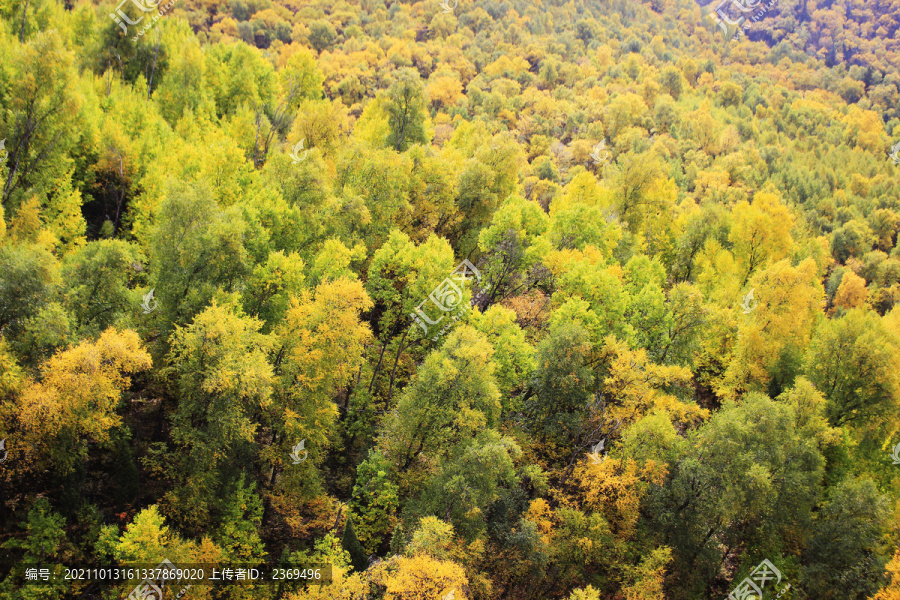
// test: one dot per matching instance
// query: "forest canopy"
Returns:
(462, 300)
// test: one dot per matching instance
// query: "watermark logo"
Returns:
(295, 455)
(146, 590)
(596, 452)
(3, 452)
(748, 304)
(895, 153)
(447, 297)
(146, 304)
(445, 4)
(731, 27)
(600, 153)
(295, 152)
(742, 12)
(152, 589)
(122, 18)
(162, 11)
(895, 455)
(751, 588)
(3, 152)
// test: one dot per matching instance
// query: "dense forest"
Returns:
(472, 300)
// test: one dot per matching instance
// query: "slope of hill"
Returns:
(464, 300)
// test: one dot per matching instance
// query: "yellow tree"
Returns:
(852, 292)
(321, 347)
(342, 587)
(717, 276)
(648, 577)
(74, 404)
(634, 386)
(576, 541)
(616, 484)
(422, 577)
(892, 590)
(147, 541)
(428, 568)
(322, 342)
(588, 593)
(444, 90)
(321, 123)
(772, 335)
(761, 233)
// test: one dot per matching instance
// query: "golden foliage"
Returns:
(325, 336)
(649, 576)
(616, 486)
(635, 386)
(79, 392)
(422, 577)
(892, 590)
(761, 232)
(852, 292)
(789, 300)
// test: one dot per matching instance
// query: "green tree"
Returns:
(28, 275)
(195, 249)
(563, 382)
(374, 502)
(639, 190)
(672, 81)
(321, 35)
(223, 379)
(453, 396)
(749, 480)
(238, 533)
(271, 286)
(44, 542)
(43, 334)
(648, 312)
(406, 106)
(513, 355)
(513, 246)
(304, 211)
(487, 180)
(301, 78)
(854, 361)
(470, 480)
(98, 280)
(843, 557)
(185, 90)
(237, 75)
(689, 315)
(351, 544)
(40, 117)
(579, 216)
(401, 275)
(380, 179)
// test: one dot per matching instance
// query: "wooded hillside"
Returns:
(467, 300)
